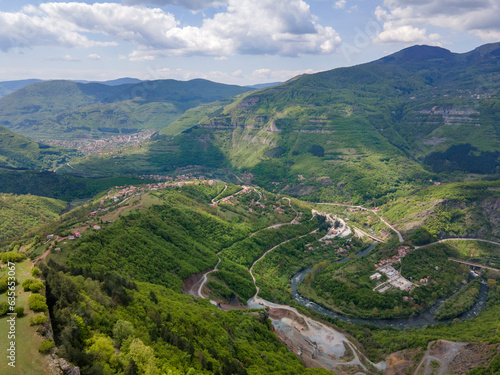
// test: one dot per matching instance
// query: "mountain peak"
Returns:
(417, 53)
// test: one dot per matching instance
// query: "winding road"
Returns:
(326, 345)
(197, 288)
(401, 239)
(320, 344)
(457, 239)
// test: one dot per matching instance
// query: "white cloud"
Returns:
(244, 27)
(142, 56)
(139, 25)
(64, 58)
(407, 21)
(268, 75)
(30, 28)
(237, 73)
(405, 34)
(340, 4)
(94, 56)
(194, 5)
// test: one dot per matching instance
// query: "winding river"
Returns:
(420, 320)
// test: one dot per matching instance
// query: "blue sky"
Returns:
(230, 41)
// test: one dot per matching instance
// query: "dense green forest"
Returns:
(117, 326)
(20, 214)
(459, 302)
(59, 186)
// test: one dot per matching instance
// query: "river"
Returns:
(420, 320)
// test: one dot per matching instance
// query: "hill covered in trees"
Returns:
(67, 110)
(358, 133)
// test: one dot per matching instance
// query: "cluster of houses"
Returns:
(120, 192)
(180, 177)
(104, 145)
(402, 252)
(70, 238)
(395, 279)
(340, 251)
(278, 208)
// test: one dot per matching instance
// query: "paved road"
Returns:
(458, 239)
(473, 264)
(197, 289)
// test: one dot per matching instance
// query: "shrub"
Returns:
(3, 287)
(38, 319)
(35, 272)
(46, 346)
(27, 283)
(19, 311)
(12, 256)
(37, 303)
(4, 307)
(36, 287)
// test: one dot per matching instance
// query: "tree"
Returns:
(121, 331)
(37, 303)
(19, 311)
(36, 287)
(35, 272)
(144, 357)
(102, 348)
(396, 310)
(317, 150)
(491, 283)
(46, 346)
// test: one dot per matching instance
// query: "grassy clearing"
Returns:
(28, 360)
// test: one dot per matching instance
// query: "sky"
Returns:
(240, 42)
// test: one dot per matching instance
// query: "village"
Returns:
(395, 279)
(105, 145)
(118, 196)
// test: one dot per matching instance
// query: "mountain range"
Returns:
(355, 133)
(67, 109)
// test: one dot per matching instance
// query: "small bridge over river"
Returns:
(473, 264)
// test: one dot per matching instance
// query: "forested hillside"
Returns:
(68, 110)
(18, 152)
(367, 132)
(20, 214)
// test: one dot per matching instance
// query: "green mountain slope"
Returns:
(356, 134)
(364, 127)
(19, 152)
(132, 270)
(66, 109)
(114, 299)
(19, 214)
(7, 87)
